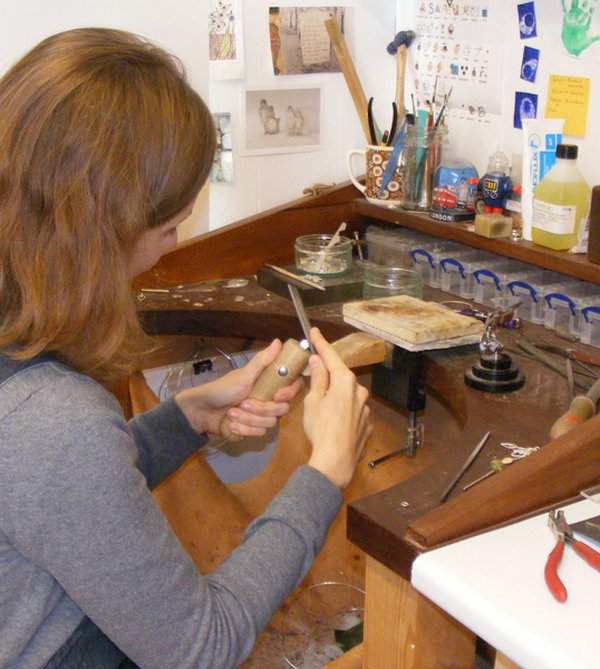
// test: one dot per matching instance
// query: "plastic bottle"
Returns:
(560, 202)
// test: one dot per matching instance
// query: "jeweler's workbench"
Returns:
(387, 499)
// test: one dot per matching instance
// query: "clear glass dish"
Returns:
(384, 281)
(314, 255)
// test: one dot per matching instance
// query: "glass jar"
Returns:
(423, 152)
(383, 281)
(315, 255)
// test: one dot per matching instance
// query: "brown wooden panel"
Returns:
(241, 248)
(573, 265)
(557, 472)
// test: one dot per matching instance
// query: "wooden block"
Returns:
(404, 630)
(411, 319)
(360, 349)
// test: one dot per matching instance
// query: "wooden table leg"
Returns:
(404, 630)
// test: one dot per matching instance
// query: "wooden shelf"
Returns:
(576, 266)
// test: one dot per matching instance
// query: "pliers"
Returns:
(372, 126)
(560, 527)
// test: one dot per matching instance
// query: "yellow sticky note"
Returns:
(569, 98)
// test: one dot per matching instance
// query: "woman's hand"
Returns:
(205, 406)
(336, 415)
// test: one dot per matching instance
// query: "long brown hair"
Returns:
(101, 138)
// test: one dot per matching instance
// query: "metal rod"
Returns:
(466, 466)
(479, 480)
(383, 458)
(301, 313)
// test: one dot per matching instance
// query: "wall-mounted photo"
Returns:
(282, 120)
(222, 169)
(226, 47)
(300, 42)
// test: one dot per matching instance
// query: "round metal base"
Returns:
(498, 376)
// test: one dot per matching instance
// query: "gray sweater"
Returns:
(80, 533)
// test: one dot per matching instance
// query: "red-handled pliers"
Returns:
(560, 527)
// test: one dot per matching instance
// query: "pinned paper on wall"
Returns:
(226, 46)
(580, 32)
(458, 47)
(527, 20)
(530, 64)
(299, 40)
(569, 98)
(526, 105)
(222, 168)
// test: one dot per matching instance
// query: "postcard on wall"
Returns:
(300, 42)
(283, 120)
(222, 168)
(225, 38)
(457, 48)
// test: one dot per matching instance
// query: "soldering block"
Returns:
(493, 226)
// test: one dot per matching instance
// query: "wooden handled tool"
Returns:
(350, 75)
(285, 369)
(399, 47)
(582, 408)
(356, 350)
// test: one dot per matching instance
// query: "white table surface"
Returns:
(494, 585)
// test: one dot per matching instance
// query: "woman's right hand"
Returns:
(336, 415)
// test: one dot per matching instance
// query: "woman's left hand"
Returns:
(205, 406)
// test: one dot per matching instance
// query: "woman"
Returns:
(103, 149)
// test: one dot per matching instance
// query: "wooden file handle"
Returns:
(582, 408)
(356, 350)
(285, 369)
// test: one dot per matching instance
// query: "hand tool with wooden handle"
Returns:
(398, 47)
(350, 75)
(285, 369)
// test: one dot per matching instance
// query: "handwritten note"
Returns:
(314, 39)
(569, 98)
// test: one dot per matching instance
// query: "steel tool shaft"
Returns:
(466, 466)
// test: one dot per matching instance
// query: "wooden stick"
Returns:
(335, 238)
(350, 75)
(400, 79)
(300, 279)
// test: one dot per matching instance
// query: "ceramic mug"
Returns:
(376, 158)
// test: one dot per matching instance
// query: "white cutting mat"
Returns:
(413, 324)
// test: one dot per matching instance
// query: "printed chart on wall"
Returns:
(457, 46)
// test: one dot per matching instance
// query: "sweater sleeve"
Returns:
(87, 517)
(164, 440)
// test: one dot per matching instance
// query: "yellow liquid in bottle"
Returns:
(561, 193)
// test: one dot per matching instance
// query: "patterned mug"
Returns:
(377, 158)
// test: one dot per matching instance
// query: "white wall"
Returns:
(478, 142)
(262, 182)
(179, 26)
